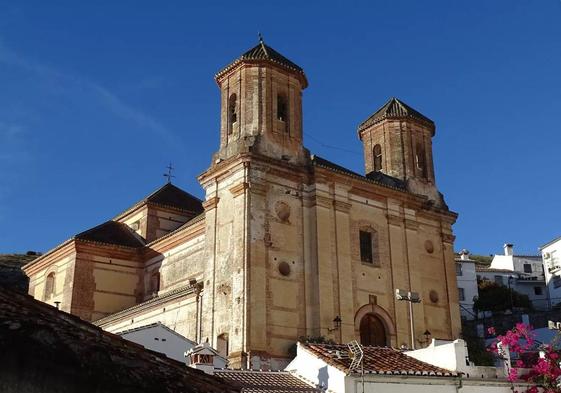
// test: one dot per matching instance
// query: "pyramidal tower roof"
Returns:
(395, 109)
(263, 53)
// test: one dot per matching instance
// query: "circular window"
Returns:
(284, 268)
(429, 246)
(433, 296)
(283, 210)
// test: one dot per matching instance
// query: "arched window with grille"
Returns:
(232, 112)
(377, 153)
(49, 286)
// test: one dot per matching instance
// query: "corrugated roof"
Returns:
(266, 381)
(39, 340)
(394, 109)
(376, 360)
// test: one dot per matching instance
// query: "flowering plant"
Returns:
(541, 371)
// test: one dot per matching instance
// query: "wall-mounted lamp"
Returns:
(427, 335)
(336, 324)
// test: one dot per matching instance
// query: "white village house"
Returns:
(551, 259)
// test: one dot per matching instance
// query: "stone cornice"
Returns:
(411, 224)
(239, 189)
(341, 206)
(323, 201)
(66, 248)
(448, 238)
(394, 220)
(211, 203)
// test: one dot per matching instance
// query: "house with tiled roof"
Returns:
(284, 243)
(48, 350)
(441, 367)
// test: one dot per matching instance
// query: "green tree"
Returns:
(495, 297)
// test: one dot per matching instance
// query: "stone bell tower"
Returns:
(397, 141)
(261, 106)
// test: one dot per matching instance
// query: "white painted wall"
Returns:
(314, 370)
(551, 260)
(160, 339)
(468, 282)
(318, 373)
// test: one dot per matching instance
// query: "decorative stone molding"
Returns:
(239, 189)
(341, 206)
(448, 238)
(394, 220)
(323, 201)
(210, 203)
(282, 210)
(411, 224)
(258, 188)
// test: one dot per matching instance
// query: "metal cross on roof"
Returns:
(168, 174)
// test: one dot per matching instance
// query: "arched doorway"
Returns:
(372, 331)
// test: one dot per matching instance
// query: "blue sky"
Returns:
(96, 99)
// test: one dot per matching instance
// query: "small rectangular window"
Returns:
(461, 294)
(499, 280)
(459, 271)
(527, 268)
(556, 282)
(366, 247)
(537, 290)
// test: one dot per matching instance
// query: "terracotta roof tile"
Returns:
(377, 360)
(266, 381)
(43, 343)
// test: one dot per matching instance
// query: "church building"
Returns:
(286, 244)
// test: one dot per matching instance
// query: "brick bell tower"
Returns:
(397, 141)
(261, 106)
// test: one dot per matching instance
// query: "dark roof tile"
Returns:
(55, 348)
(172, 196)
(376, 177)
(111, 232)
(262, 52)
(266, 381)
(394, 109)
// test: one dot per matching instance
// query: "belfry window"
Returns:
(50, 285)
(366, 247)
(421, 160)
(377, 153)
(282, 108)
(232, 113)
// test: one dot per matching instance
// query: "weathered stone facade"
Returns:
(278, 252)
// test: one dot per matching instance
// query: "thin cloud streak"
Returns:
(107, 98)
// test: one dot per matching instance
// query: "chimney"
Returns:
(508, 249)
(201, 357)
(464, 255)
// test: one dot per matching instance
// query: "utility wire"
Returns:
(331, 147)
